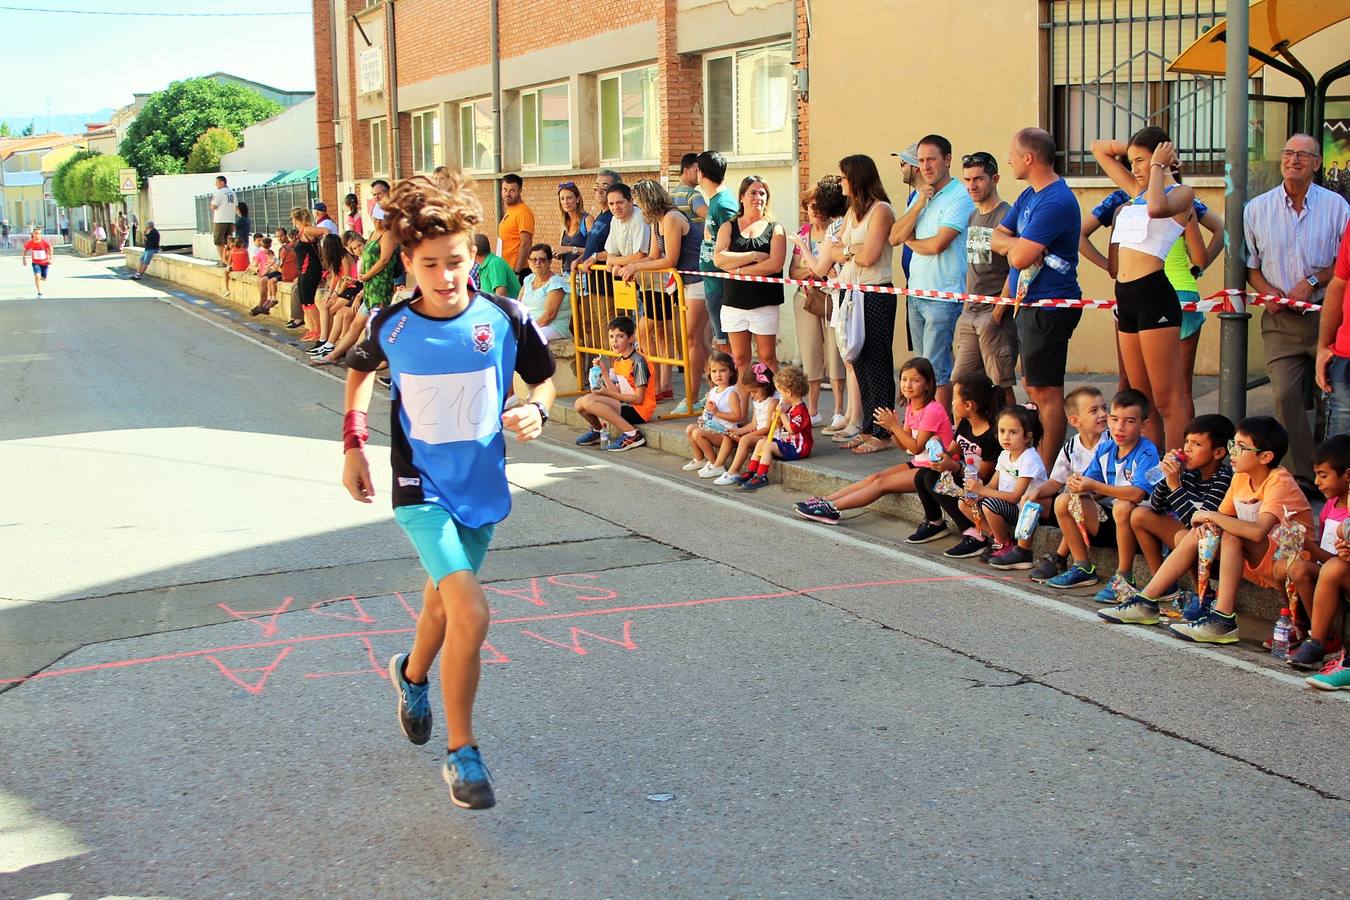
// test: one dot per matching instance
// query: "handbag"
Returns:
(815, 301)
(849, 331)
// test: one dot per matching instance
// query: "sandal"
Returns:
(853, 443)
(868, 444)
(846, 435)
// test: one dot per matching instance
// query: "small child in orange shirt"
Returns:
(239, 262)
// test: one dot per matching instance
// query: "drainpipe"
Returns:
(1233, 325)
(494, 41)
(389, 44)
(798, 78)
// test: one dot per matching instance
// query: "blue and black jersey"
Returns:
(451, 378)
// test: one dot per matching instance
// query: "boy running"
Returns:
(41, 252)
(451, 353)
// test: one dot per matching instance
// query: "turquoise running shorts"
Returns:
(443, 545)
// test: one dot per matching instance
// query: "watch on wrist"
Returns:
(543, 413)
(1312, 281)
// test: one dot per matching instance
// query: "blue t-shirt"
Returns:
(599, 233)
(451, 378)
(1107, 468)
(946, 271)
(1049, 217)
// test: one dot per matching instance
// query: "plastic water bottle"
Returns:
(596, 374)
(1058, 263)
(1028, 520)
(1156, 474)
(972, 470)
(934, 449)
(1279, 639)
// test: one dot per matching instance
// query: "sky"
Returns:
(82, 62)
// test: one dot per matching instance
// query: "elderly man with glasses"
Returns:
(1293, 232)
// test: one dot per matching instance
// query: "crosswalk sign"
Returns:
(126, 178)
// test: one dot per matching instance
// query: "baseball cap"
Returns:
(321, 207)
(909, 155)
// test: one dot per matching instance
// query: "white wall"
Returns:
(283, 142)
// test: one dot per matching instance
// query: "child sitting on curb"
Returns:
(1018, 470)
(792, 439)
(721, 413)
(1323, 578)
(758, 384)
(1260, 496)
(974, 400)
(1088, 413)
(1196, 477)
(625, 399)
(1119, 465)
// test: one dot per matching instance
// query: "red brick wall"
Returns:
(323, 99)
(681, 95)
(528, 25)
(803, 106)
(436, 36)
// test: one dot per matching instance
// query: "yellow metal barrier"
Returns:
(655, 300)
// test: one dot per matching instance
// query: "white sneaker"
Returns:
(725, 479)
(817, 419)
(837, 423)
(695, 464)
(39, 295)
(711, 471)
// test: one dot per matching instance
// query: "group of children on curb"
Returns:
(1221, 497)
(271, 266)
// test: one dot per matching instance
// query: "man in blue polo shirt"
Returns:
(934, 227)
(1041, 231)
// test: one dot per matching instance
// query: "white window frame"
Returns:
(419, 152)
(467, 157)
(734, 153)
(379, 141)
(535, 91)
(617, 75)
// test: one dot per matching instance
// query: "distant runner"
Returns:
(41, 251)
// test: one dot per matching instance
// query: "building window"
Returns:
(379, 146)
(746, 101)
(1109, 78)
(545, 127)
(475, 135)
(426, 140)
(628, 116)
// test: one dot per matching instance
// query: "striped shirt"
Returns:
(1288, 246)
(1194, 494)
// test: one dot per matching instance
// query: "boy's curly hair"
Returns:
(791, 380)
(418, 209)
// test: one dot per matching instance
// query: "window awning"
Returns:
(1276, 26)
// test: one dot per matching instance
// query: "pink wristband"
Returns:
(354, 431)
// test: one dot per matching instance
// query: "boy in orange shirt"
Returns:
(1261, 495)
(625, 398)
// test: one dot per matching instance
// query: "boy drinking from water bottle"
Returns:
(451, 353)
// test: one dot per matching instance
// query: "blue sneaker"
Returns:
(469, 780)
(414, 702)
(1119, 589)
(1197, 608)
(626, 442)
(1074, 576)
(590, 437)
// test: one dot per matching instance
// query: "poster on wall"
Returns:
(1336, 148)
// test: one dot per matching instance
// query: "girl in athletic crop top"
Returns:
(1148, 311)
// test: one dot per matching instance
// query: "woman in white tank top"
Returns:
(1148, 312)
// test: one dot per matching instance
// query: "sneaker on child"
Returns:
(1212, 628)
(469, 780)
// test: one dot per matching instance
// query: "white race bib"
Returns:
(442, 409)
(1329, 535)
(1248, 510)
(1131, 225)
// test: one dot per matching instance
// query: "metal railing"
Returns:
(269, 205)
(1107, 62)
(654, 299)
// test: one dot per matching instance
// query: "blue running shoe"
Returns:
(1074, 576)
(1197, 608)
(469, 780)
(414, 702)
(626, 442)
(1119, 589)
(591, 436)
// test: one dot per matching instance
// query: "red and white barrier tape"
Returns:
(1217, 302)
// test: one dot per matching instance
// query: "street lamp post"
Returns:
(1233, 325)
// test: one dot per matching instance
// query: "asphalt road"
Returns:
(685, 693)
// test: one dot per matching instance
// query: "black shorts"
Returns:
(655, 305)
(307, 286)
(1106, 532)
(1044, 338)
(1147, 303)
(631, 415)
(275, 276)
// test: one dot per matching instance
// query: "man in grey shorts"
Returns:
(222, 218)
(986, 336)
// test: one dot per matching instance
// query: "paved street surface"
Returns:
(685, 693)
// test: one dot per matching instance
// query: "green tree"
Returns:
(163, 132)
(62, 188)
(27, 129)
(209, 148)
(5, 130)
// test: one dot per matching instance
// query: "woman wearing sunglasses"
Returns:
(576, 223)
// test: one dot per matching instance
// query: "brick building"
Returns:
(406, 85)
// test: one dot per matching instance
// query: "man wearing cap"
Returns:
(934, 227)
(321, 219)
(986, 336)
(909, 175)
(149, 250)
